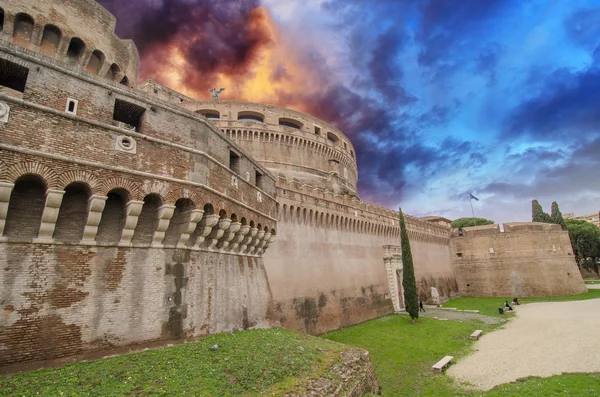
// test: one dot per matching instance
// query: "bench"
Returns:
(476, 334)
(442, 363)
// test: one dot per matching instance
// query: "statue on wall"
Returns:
(215, 93)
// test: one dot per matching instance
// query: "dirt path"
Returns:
(444, 314)
(544, 339)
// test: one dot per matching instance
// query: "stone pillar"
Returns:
(247, 240)
(50, 214)
(189, 225)
(205, 227)
(217, 232)
(95, 208)
(254, 243)
(5, 192)
(229, 235)
(132, 213)
(239, 237)
(165, 213)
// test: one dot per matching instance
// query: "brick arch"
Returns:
(134, 190)
(15, 171)
(66, 178)
(178, 192)
(160, 188)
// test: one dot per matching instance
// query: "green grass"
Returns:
(592, 281)
(246, 363)
(403, 353)
(489, 306)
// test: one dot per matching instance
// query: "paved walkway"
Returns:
(460, 315)
(544, 339)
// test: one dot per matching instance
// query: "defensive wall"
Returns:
(524, 260)
(123, 219)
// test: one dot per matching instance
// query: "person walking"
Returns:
(421, 308)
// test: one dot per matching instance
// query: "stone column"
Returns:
(254, 243)
(247, 240)
(132, 213)
(50, 214)
(5, 192)
(239, 237)
(205, 227)
(229, 235)
(189, 225)
(165, 213)
(217, 232)
(95, 208)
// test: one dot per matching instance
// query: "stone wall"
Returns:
(527, 259)
(59, 300)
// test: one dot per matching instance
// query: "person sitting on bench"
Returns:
(516, 301)
(506, 305)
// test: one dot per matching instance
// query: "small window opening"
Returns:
(12, 75)
(125, 81)
(113, 72)
(95, 63)
(234, 162)
(128, 113)
(76, 48)
(290, 123)
(332, 137)
(23, 29)
(345, 146)
(1, 19)
(50, 40)
(317, 130)
(259, 179)
(459, 254)
(155, 91)
(71, 106)
(210, 114)
(252, 117)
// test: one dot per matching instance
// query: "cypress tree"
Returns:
(556, 216)
(537, 212)
(409, 284)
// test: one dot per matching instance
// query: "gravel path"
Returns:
(443, 314)
(544, 339)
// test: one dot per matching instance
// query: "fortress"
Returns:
(133, 214)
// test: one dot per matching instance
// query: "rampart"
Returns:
(123, 219)
(524, 260)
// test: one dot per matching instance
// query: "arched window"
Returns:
(182, 207)
(290, 123)
(1, 19)
(113, 72)
(332, 137)
(95, 63)
(73, 213)
(148, 220)
(125, 81)
(76, 49)
(352, 153)
(252, 117)
(26, 207)
(23, 29)
(113, 217)
(50, 40)
(210, 114)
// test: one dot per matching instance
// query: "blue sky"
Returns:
(442, 97)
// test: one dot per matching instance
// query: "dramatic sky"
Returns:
(439, 97)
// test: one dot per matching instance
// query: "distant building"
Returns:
(592, 218)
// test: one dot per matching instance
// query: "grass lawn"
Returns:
(592, 281)
(489, 306)
(257, 362)
(403, 353)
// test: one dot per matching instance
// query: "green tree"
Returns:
(467, 222)
(538, 214)
(585, 240)
(556, 216)
(409, 284)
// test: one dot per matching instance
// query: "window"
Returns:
(73, 213)
(332, 137)
(50, 40)
(113, 217)
(210, 114)
(76, 49)
(113, 72)
(95, 63)
(26, 207)
(71, 106)
(345, 146)
(13, 75)
(23, 29)
(1, 19)
(252, 117)
(290, 123)
(234, 162)
(258, 179)
(128, 113)
(317, 130)
(125, 81)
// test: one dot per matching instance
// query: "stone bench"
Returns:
(442, 363)
(476, 334)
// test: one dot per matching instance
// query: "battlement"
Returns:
(79, 33)
(511, 227)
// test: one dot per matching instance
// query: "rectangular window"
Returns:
(234, 162)
(317, 130)
(345, 146)
(258, 180)
(71, 106)
(129, 114)
(13, 75)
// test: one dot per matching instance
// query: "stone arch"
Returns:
(76, 49)
(284, 215)
(148, 219)
(73, 212)
(299, 215)
(78, 176)
(51, 38)
(15, 171)
(113, 72)
(1, 19)
(305, 216)
(182, 207)
(95, 62)
(23, 29)
(132, 189)
(25, 207)
(113, 217)
(125, 81)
